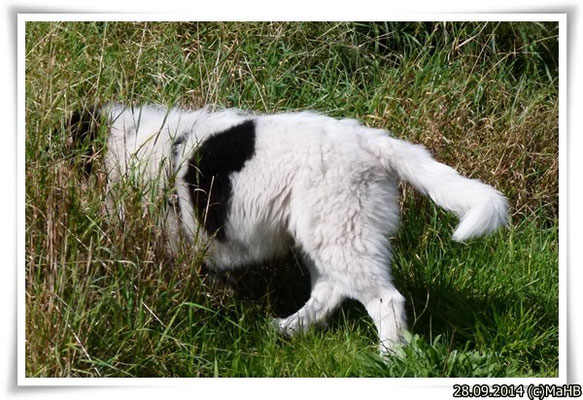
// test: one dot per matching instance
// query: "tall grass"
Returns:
(105, 299)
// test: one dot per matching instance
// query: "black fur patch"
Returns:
(209, 170)
(83, 126)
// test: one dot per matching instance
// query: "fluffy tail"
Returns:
(480, 207)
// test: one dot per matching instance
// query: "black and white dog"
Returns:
(258, 185)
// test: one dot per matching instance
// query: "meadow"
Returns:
(106, 300)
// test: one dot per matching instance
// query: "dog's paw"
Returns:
(285, 326)
(394, 347)
(390, 348)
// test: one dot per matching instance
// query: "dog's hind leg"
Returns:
(357, 267)
(361, 277)
(325, 297)
(385, 305)
(367, 278)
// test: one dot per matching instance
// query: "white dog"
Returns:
(259, 185)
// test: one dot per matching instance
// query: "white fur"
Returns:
(325, 186)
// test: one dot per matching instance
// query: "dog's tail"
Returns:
(480, 207)
(83, 127)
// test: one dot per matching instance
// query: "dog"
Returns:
(247, 188)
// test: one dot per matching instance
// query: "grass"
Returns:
(104, 299)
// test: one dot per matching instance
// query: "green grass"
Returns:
(104, 299)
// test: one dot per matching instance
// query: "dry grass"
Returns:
(104, 299)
